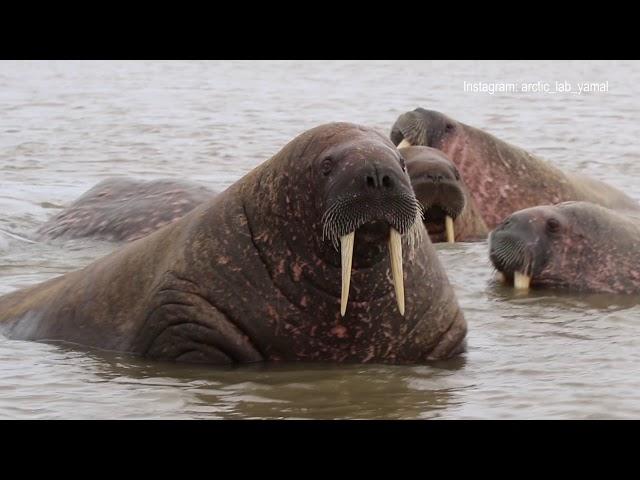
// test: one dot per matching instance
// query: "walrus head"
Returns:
(366, 189)
(437, 185)
(573, 245)
(355, 197)
(421, 127)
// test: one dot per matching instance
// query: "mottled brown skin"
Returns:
(441, 191)
(502, 178)
(123, 209)
(248, 277)
(577, 246)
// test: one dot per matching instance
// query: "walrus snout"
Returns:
(518, 249)
(436, 183)
(371, 195)
(408, 130)
(509, 255)
(370, 187)
(382, 178)
(444, 194)
(421, 127)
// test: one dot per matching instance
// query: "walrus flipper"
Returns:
(186, 327)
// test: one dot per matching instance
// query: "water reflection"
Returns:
(253, 391)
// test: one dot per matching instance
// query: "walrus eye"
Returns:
(449, 127)
(327, 165)
(456, 173)
(553, 225)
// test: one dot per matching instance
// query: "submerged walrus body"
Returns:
(123, 209)
(502, 178)
(306, 258)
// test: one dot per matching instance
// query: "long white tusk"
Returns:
(521, 281)
(448, 222)
(346, 249)
(404, 143)
(395, 252)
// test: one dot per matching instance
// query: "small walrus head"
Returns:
(521, 246)
(421, 127)
(437, 185)
(573, 245)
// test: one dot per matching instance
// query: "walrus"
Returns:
(577, 246)
(449, 212)
(305, 258)
(502, 178)
(124, 209)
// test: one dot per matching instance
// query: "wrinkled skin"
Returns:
(248, 277)
(441, 191)
(575, 246)
(122, 209)
(502, 178)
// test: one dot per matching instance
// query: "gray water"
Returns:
(67, 125)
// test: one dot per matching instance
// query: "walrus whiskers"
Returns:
(346, 215)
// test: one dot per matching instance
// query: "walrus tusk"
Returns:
(346, 249)
(395, 252)
(404, 143)
(448, 221)
(521, 281)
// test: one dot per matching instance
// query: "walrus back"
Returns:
(601, 193)
(508, 178)
(122, 209)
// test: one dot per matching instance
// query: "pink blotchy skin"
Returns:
(502, 178)
(577, 246)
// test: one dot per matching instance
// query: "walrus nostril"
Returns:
(377, 181)
(371, 182)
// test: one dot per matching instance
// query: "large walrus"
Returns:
(573, 245)
(305, 258)
(449, 212)
(123, 209)
(502, 178)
